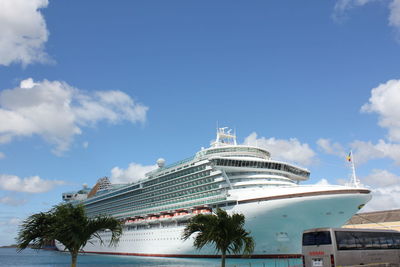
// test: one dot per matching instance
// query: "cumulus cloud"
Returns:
(381, 178)
(290, 150)
(365, 151)
(33, 184)
(331, 148)
(342, 6)
(12, 201)
(385, 101)
(322, 182)
(2, 155)
(23, 32)
(385, 188)
(133, 173)
(57, 111)
(384, 198)
(394, 15)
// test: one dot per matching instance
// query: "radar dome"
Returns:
(161, 162)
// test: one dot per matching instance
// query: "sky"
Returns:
(104, 88)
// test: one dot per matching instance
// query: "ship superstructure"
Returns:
(238, 178)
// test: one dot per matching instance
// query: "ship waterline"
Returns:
(239, 179)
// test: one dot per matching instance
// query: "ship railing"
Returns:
(171, 165)
(213, 198)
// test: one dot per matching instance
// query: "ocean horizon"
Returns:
(49, 258)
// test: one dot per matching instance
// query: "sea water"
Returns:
(45, 258)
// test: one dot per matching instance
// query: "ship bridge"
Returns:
(225, 145)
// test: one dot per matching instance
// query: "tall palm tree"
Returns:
(69, 225)
(225, 232)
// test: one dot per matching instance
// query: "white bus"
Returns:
(330, 247)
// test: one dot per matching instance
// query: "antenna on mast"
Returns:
(354, 182)
(224, 138)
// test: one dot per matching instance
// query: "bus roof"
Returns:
(349, 230)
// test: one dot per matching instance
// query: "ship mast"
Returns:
(354, 182)
(224, 137)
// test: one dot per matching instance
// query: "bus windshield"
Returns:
(317, 238)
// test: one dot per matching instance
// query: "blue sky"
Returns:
(105, 88)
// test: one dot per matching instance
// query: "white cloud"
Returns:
(33, 184)
(385, 101)
(365, 151)
(331, 148)
(322, 182)
(394, 16)
(2, 155)
(342, 6)
(381, 178)
(56, 111)
(290, 150)
(12, 201)
(384, 198)
(23, 32)
(385, 188)
(133, 173)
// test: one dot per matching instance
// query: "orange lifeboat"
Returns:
(152, 217)
(202, 210)
(166, 216)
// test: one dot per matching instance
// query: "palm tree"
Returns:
(223, 231)
(69, 225)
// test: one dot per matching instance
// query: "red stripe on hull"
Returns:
(256, 256)
(307, 194)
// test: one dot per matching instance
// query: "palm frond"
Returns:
(35, 230)
(226, 232)
(102, 223)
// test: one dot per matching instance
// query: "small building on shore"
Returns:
(386, 219)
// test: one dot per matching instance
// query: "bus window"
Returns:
(317, 238)
(345, 241)
(376, 244)
(384, 241)
(351, 247)
(396, 240)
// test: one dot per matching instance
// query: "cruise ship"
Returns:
(237, 178)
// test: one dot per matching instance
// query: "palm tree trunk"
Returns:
(223, 256)
(74, 257)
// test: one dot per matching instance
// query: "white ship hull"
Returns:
(276, 222)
